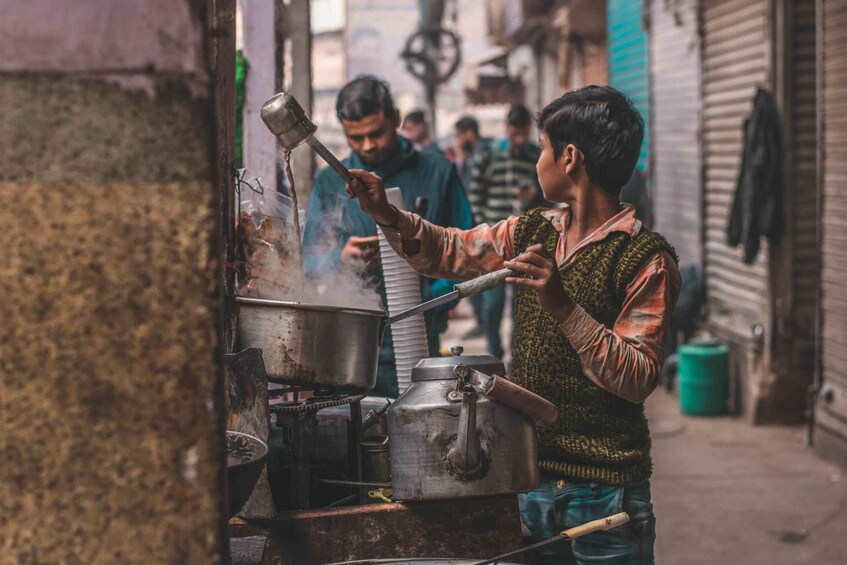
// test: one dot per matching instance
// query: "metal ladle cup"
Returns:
(287, 120)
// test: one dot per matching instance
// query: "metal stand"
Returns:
(355, 447)
(291, 469)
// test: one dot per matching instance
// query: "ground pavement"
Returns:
(729, 493)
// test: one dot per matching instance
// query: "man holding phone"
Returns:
(339, 233)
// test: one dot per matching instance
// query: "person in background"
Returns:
(336, 226)
(468, 149)
(595, 291)
(635, 192)
(416, 130)
(504, 182)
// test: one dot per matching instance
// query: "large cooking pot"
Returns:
(313, 346)
(417, 561)
(327, 346)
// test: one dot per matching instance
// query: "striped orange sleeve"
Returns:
(626, 360)
(452, 253)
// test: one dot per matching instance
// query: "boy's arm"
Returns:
(627, 359)
(448, 253)
(453, 253)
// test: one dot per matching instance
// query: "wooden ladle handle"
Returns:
(606, 523)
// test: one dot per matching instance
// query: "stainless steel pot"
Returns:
(326, 346)
(313, 346)
(417, 561)
(376, 462)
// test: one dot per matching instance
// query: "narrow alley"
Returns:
(725, 492)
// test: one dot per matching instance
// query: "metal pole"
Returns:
(356, 447)
(298, 32)
(819, 126)
(430, 104)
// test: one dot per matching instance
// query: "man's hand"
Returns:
(361, 250)
(542, 275)
(370, 192)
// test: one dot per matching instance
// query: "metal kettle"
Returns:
(449, 438)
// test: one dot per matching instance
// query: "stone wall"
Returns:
(110, 374)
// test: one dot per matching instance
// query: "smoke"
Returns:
(332, 283)
(271, 265)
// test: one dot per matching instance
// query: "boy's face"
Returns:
(556, 183)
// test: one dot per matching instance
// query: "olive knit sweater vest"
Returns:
(599, 437)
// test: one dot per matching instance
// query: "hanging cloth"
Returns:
(757, 208)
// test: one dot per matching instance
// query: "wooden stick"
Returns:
(597, 525)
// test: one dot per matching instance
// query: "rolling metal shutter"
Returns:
(831, 413)
(804, 170)
(675, 77)
(797, 305)
(735, 63)
(628, 60)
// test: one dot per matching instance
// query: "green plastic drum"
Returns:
(703, 378)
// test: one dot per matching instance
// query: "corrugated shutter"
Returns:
(675, 76)
(735, 63)
(831, 415)
(628, 60)
(803, 189)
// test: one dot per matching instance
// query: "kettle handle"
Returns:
(527, 402)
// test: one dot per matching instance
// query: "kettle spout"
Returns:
(466, 455)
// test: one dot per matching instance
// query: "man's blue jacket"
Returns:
(334, 217)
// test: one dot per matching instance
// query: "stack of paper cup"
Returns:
(403, 290)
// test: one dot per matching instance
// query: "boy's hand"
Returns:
(542, 276)
(370, 192)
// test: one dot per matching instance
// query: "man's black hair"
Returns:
(467, 123)
(606, 127)
(519, 116)
(415, 117)
(362, 97)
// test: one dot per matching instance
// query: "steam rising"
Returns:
(343, 285)
(271, 262)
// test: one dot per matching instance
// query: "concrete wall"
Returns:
(329, 77)
(260, 149)
(109, 348)
(377, 31)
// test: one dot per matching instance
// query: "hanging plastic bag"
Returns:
(270, 263)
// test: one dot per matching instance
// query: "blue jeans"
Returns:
(492, 303)
(556, 506)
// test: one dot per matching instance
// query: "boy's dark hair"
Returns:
(467, 123)
(604, 124)
(362, 97)
(519, 116)
(415, 117)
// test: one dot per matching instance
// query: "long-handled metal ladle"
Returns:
(287, 120)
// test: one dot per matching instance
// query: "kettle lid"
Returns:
(441, 368)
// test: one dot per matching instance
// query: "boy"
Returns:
(591, 311)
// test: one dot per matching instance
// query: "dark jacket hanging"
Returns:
(757, 208)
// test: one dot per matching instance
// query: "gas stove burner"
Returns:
(314, 404)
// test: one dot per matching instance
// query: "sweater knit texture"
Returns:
(599, 437)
